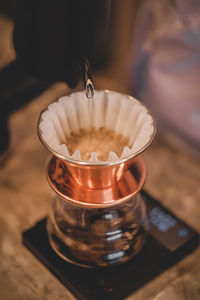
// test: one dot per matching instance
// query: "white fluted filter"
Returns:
(111, 110)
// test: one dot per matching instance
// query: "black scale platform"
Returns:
(169, 241)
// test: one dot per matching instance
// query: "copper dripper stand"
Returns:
(96, 186)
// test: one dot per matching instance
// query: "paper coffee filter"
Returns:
(111, 110)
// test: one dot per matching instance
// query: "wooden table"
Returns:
(25, 198)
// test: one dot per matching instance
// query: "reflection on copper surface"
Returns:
(95, 177)
(66, 185)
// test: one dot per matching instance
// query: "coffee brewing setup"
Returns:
(105, 237)
(98, 212)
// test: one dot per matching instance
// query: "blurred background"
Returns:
(7, 12)
(150, 49)
(147, 48)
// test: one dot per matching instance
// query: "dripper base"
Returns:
(65, 184)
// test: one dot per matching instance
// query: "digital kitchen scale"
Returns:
(168, 242)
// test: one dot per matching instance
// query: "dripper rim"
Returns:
(99, 163)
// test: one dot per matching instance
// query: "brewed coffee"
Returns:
(103, 141)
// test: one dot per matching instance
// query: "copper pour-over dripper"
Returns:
(111, 110)
(95, 192)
